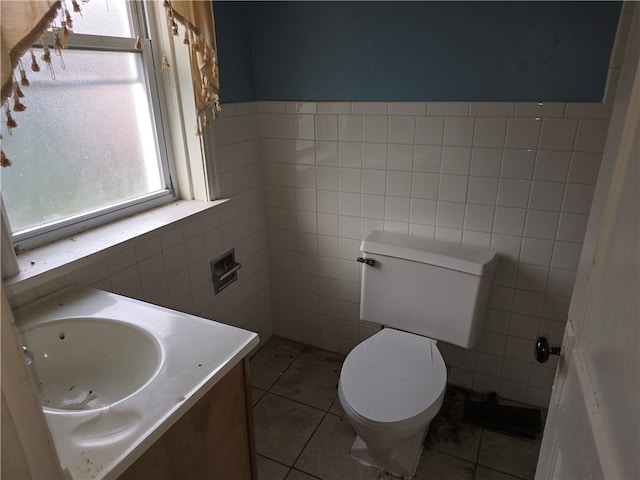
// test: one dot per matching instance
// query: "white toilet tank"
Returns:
(425, 287)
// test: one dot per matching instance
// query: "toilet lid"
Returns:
(393, 376)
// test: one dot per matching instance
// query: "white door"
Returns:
(593, 426)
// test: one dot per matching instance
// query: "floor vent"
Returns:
(519, 421)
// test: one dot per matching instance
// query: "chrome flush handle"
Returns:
(369, 261)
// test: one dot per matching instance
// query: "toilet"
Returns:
(392, 384)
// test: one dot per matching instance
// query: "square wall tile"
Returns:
(558, 134)
(458, 131)
(509, 221)
(546, 196)
(591, 135)
(429, 130)
(486, 162)
(456, 160)
(491, 109)
(423, 211)
(349, 204)
(398, 184)
(474, 239)
(507, 246)
(453, 188)
(425, 185)
(578, 198)
(326, 127)
(536, 251)
(561, 282)
(523, 132)
(532, 278)
(376, 128)
(518, 164)
(401, 129)
(448, 108)
(552, 166)
(374, 155)
(540, 109)
(513, 193)
(349, 180)
(490, 132)
(400, 157)
(374, 182)
(482, 190)
(397, 209)
(327, 178)
(450, 214)
(572, 228)
(449, 235)
(585, 167)
(407, 108)
(566, 255)
(427, 158)
(541, 224)
(350, 154)
(304, 127)
(373, 206)
(350, 128)
(369, 108)
(479, 218)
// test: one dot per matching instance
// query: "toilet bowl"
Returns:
(391, 386)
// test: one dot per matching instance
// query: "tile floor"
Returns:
(301, 433)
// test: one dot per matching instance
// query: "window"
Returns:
(90, 147)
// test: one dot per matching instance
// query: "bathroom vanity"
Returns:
(214, 439)
(131, 390)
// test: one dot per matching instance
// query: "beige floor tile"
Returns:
(309, 381)
(298, 475)
(270, 470)
(325, 356)
(327, 454)
(268, 364)
(484, 473)
(283, 427)
(458, 439)
(284, 344)
(509, 454)
(256, 395)
(336, 408)
(438, 465)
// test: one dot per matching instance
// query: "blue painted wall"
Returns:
(235, 51)
(412, 51)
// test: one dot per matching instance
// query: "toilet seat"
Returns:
(393, 377)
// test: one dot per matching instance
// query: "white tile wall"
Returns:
(514, 177)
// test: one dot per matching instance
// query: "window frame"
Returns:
(144, 24)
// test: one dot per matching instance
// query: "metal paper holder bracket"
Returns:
(224, 271)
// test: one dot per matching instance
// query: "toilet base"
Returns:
(403, 461)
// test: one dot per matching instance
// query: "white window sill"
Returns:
(51, 261)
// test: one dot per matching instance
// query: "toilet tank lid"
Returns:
(418, 249)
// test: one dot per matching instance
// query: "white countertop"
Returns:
(196, 354)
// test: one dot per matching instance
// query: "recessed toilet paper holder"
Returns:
(224, 270)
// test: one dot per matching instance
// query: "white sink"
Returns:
(90, 363)
(145, 365)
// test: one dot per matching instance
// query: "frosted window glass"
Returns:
(103, 17)
(86, 140)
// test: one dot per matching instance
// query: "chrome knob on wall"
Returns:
(542, 350)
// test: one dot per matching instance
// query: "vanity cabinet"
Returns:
(213, 439)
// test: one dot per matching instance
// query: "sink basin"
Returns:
(90, 363)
